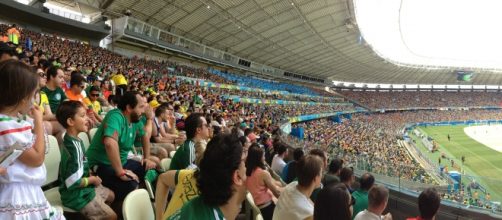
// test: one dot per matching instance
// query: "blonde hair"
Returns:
(200, 147)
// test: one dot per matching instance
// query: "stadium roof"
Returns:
(319, 38)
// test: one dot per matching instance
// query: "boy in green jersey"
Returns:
(79, 190)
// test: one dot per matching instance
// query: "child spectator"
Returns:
(21, 194)
(78, 189)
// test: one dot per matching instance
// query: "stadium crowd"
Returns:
(146, 109)
(397, 100)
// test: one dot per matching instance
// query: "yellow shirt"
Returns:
(44, 101)
(95, 106)
(119, 79)
(185, 190)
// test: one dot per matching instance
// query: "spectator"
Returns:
(378, 197)
(428, 204)
(50, 122)
(361, 195)
(6, 52)
(294, 202)
(221, 181)
(333, 174)
(20, 184)
(347, 177)
(79, 190)
(334, 202)
(77, 85)
(113, 101)
(92, 101)
(196, 129)
(120, 82)
(13, 34)
(53, 89)
(159, 136)
(289, 171)
(322, 155)
(182, 181)
(278, 163)
(113, 141)
(260, 183)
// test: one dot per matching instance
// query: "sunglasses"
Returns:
(95, 95)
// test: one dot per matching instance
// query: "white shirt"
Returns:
(293, 205)
(367, 215)
(278, 164)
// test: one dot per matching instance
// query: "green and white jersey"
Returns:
(72, 169)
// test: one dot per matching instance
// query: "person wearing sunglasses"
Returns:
(92, 102)
(334, 202)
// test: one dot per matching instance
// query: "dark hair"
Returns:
(428, 203)
(128, 99)
(94, 89)
(77, 80)
(215, 177)
(52, 72)
(254, 159)
(281, 148)
(335, 165)
(332, 202)
(298, 154)
(67, 109)
(161, 109)
(113, 98)
(192, 123)
(367, 180)
(307, 169)
(216, 130)
(318, 152)
(377, 196)
(19, 82)
(346, 174)
(247, 131)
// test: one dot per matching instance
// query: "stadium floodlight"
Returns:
(436, 34)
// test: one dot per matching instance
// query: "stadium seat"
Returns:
(85, 138)
(165, 163)
(52, 159)
(254, 209)
(171, 154)
(259, 217)
(137, 206)
(92, 132)
(149, 188)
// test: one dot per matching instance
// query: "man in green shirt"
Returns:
(112, 142)
(196, 129)
(52, 89)
(221, 181)
(361, 195)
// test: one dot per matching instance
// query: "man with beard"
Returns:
(114, 139)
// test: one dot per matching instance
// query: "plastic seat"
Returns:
(255, 210)
(149, 189)
(52, 159)
(85, 138)
(137, 206)
(92, 132)
(165, 163)
(171, 154)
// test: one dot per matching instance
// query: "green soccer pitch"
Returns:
(483, 163)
